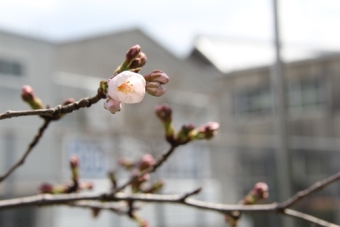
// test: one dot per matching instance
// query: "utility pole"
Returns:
(283, 154)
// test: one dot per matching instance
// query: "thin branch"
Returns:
(29, 149)
(314, 188)
(82, 103)
(151, 169)
(47, 199)
(309, 218)
(86, 199)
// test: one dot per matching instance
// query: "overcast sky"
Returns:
(175, 23)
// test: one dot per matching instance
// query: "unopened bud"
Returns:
(138, 62)
(157, 76)
(205, 131)
(132, 53)
(46, 188)
(155, 89)
(74, 161)
(183, 136)
(28, 96)
(259, 192)
(164, 112)
(27, 93)
(74, 164)
(146, 162)
(112, 105)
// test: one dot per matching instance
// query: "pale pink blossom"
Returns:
(127, 87)
(112, 105)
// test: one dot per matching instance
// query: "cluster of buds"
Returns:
(259, 192)
(135, 59)
(138, 183)
(128, 86)
(154, 82)
(70, 187)
(188, 132)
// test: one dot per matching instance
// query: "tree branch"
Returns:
(314, 188)
(29, 149)
(309, 218)
(88, 201)
(82, 103)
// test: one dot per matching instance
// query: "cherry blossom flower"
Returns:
(127, 87)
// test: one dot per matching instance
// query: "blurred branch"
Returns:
(309, 218)
(29, 149)
(58, 110)
(100, 202)
(314, 188)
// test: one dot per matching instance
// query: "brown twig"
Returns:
(74, 199)
(82, 103)
(151, 169)
(309, 218)
(29, 149)
(314, 188)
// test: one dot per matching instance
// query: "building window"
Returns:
(8, 67)
(254, 100)
(306, 94)
(302, 95)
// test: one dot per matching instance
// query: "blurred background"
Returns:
(276, 96)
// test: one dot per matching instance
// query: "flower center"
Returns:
(126, 87)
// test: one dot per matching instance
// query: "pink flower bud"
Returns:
(155, 89)
(157, 76)
(46, 188)
(132, 53)
(28, 96)
(261, 190)
(146, 161)
(164, 112)
(112, 105)
(138, 62)
(27, 93)
(74, 162)
(205, 131)
(127, 87)
(183, 136)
